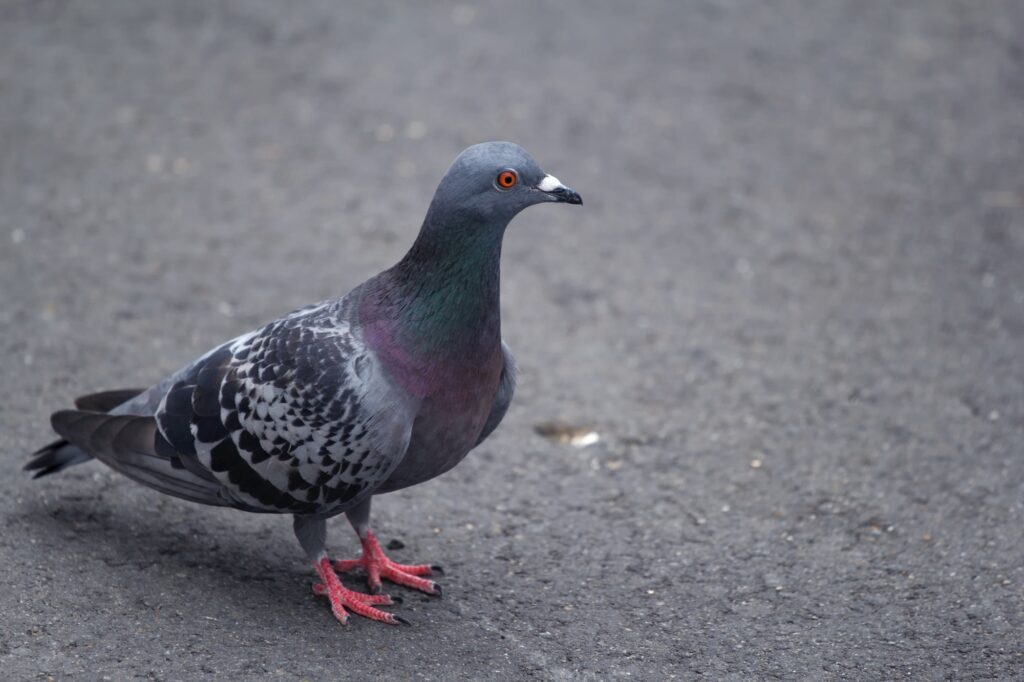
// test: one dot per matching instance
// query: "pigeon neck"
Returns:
(447, 290)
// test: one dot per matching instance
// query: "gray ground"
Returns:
(792, 305)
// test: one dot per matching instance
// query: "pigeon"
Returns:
(316, 412)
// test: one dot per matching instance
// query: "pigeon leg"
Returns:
(377, 565)
(312, 534)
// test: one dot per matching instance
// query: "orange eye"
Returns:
(507, 179)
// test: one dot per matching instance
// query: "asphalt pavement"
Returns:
(791, 307)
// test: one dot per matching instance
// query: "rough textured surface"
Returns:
(793, 306)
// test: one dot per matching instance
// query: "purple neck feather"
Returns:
(436, 313)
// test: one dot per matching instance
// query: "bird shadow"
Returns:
(241, 580)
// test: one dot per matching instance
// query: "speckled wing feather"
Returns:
(296, 417)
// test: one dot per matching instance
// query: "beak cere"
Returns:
(554, 188)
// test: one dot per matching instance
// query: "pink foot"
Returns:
(377, 566)
(343, 598)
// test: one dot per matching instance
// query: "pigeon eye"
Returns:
(507, 179)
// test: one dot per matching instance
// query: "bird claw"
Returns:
(375, 599)
(378, 566)
(344, 600)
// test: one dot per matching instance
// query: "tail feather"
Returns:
(60, 454)
(106, 400)
(128, 444)
(54, 457)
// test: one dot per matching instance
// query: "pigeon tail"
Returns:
(56, 456)
(60, 454)
(133, 446)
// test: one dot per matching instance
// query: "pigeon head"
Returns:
(489, 183)
(441, 299)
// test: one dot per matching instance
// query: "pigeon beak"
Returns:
(554, 188)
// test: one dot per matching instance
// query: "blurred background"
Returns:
(791, 309)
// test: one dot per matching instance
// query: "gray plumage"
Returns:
(315, 412)
(296, 417)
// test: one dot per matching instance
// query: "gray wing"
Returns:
(503, 398)
(297, 417)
